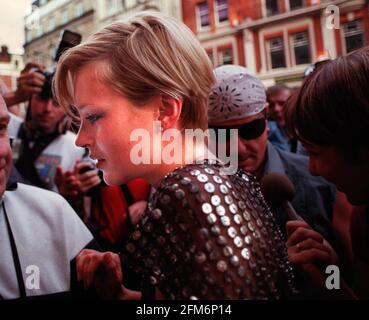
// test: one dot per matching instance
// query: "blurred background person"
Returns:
(44, 141)
(44, 150)
(277, 96)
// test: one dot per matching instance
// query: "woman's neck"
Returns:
(190, 153)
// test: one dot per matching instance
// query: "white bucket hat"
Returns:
(237, 94)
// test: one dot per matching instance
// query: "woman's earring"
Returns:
(161, 129)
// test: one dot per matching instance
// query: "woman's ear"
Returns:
(170, 111)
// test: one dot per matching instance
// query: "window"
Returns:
(354, 35)
(296, 4)
(226, 56)
(301, 47)
(203, 14)
(276, 53)
(64, 17)
(222, 10)
(79, 9)
(271, 7)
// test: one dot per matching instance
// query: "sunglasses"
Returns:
(248, 131)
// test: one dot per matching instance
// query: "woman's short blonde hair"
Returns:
(143, 56)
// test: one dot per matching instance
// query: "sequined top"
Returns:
(205, 235)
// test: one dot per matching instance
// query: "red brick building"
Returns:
(277, 39)
(10, 66)
(5, 58)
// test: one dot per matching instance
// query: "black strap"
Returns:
(127, 194)
(129, 198)
(17, 264)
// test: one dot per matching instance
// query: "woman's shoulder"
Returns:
(206, 176)
(203, 192)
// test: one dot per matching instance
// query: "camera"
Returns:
(85, 169)
(86, 158)
(68, 39)
(46, 88)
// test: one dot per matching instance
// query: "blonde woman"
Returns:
(204, 234)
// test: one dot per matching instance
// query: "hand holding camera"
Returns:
(28, 83)
(87, 175)
(68, 39)
(78, 181)
(66, 182)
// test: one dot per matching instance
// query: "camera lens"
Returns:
(85, 169)
(46, 88)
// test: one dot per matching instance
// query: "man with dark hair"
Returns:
(330, 115)
(44, 150)
(43, 140)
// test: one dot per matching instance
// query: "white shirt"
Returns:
(61, 151)
(48, 235)
(14, 124)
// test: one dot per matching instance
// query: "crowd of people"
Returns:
(91, 222)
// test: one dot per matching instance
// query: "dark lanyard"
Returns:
(127, 194)
(130, 201)
(17, 264)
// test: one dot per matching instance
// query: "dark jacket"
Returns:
(314, 198)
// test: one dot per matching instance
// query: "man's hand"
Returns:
(74, 183)
(309, 252)
(103, 269)
(67, 183)
(28, 83)
(136, 210)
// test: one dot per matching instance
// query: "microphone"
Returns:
(278, 190)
